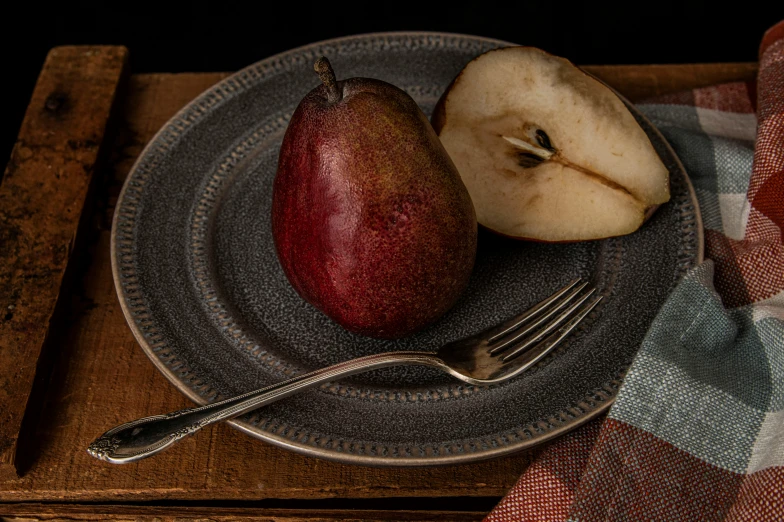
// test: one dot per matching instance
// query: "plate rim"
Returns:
(604, 400)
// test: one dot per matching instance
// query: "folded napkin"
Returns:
(697, 429)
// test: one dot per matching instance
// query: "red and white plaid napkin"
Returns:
(697, 430)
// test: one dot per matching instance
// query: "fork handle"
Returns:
(145, 437)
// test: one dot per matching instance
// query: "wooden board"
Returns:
(639, 82)
(65, 512)
(102, 378)
(42, 195)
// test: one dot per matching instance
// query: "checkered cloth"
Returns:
(697, 430)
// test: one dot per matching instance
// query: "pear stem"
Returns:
(327, 76)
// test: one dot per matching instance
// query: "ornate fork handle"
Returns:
(145, 437)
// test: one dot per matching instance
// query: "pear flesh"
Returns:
(546, 151)
(371, 222)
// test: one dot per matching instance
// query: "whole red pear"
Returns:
(371, 221)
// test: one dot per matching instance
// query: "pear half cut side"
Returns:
(546, 151)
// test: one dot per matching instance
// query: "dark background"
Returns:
(226, 36)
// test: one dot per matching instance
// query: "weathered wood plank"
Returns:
(42, 195)
(66, 512)
(638, 82)
(102, 378)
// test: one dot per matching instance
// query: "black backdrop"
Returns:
(226, 36)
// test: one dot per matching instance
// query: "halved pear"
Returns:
(546, 151)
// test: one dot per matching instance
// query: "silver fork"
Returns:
(490, 357)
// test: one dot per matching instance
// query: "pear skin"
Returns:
(371, 221)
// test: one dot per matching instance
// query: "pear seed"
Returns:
(528, 160)
(544, 140)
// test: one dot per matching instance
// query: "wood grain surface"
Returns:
(639, 82)
(43, 192)
(66, 512)
(103, 378)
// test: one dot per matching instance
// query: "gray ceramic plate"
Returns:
(202, 290)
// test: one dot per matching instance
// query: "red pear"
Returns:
(371, 221)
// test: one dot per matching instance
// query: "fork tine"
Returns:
(553, 340)
(547, 330)
(553, 309)
(534, 311)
